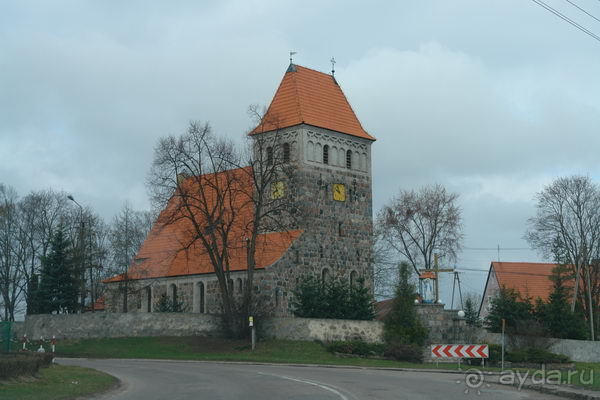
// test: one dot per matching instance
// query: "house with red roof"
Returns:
(321, 137)
(530, 280)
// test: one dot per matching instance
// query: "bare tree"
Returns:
(41, 212)
(223, 199)
(568, 219)
(271, 174)
(385, 269)
(192, 181)
(126, 235)
(12, 252)
(420, 224)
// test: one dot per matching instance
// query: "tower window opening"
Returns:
(349, 159)
(326, 154)
(269, 155)
(286, 152)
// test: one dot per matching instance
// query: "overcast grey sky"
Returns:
(491, 98)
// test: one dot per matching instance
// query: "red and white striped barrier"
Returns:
(460, 351)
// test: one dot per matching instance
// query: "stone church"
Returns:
(330, 153)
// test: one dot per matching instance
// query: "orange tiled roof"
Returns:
(162, 254)
(99, 305)
(306, 96)
(530, 279)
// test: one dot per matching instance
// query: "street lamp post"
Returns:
(81, 258)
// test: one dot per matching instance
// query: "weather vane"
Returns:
(291, 55)
(332, 66)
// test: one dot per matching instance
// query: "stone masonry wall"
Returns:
(337, 238)
(325, 330)
(101, 325)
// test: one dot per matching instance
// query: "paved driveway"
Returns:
(181, 380)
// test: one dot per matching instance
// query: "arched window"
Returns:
(320, 251)
(148, 299)
(310, 151)
(201, 297)
(286, 152)
(325, 275)
(349, 159)
(326, 154)
(230, 284)
(340, 228)
(353, 277)
(240, 285)
(277, 297)
(269, 155)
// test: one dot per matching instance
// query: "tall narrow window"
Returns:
(353, 276)
(286, 152)
(269, 155)
(201, 297)
(326, 154)
(174, 293)
(349, 159)
(325, 275)
(230, 284)
(340, 231)
(148, 299)
(240, 285)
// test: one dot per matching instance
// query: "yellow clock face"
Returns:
(277, 190)
(339, 192)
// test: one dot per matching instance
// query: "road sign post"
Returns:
(251, 324)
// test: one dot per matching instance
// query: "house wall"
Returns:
(492, 289)
(144, 294)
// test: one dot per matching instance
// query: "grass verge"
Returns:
(213, 349)
(270, 351)
(57, 382)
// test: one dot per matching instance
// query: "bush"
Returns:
(314, 298)
(495, 353)
(404, 352)
(23, 364)
(536, 356)
(356, 347)
(167, 304)
(402, 324)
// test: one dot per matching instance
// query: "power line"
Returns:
(582, 10)
(468, 270)
(564, 17)
(496, 248)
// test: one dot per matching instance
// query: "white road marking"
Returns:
(318, 384)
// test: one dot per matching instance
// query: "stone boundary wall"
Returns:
(325, 330)
(576, 350)
(100, 325)
(442, 324)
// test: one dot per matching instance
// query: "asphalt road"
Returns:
(180, 380)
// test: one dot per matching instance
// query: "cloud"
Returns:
(492, 100)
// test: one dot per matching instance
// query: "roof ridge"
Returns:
(524, 262)
(312, 69)
(300, 114)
